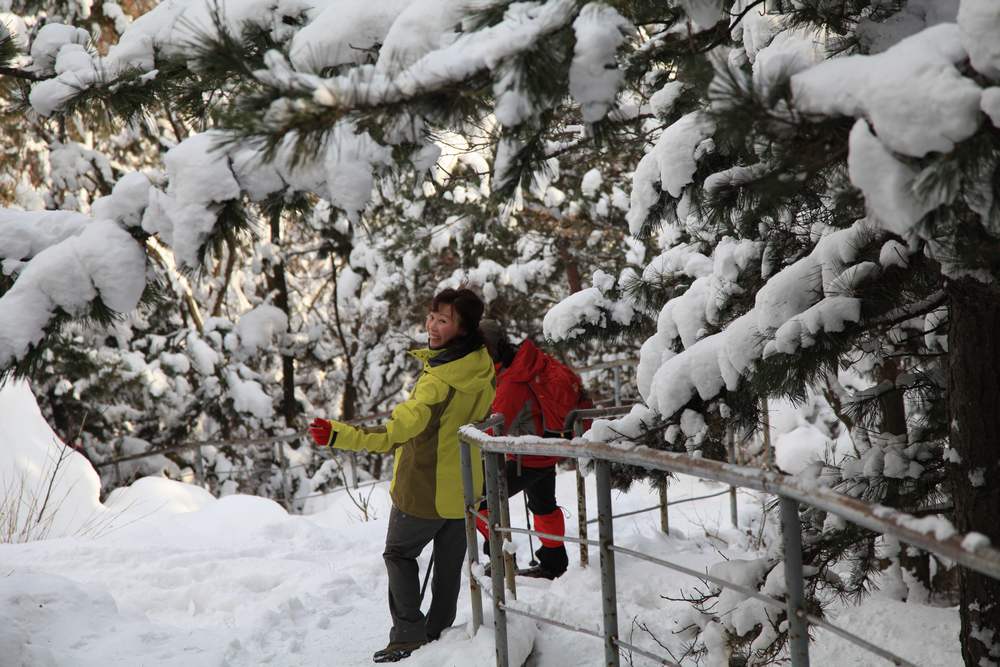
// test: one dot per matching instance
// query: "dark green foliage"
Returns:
(966, 226)
(8, 47)
(841, 18)
(113, 100)
(97, 316)
(233, 229)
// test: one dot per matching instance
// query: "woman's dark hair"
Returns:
(467, 304)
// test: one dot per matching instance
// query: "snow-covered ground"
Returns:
(170, 575)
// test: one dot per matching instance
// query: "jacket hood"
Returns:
(528, 362)
(468, 374)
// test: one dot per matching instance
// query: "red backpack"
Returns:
(558, 391)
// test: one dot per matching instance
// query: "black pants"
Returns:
(406, 538)
(539, 486)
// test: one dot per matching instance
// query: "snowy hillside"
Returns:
(173, 576)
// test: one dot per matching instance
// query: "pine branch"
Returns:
(910, 310)
(9, 54)
(18, 73)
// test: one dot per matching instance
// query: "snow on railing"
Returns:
(965, 550)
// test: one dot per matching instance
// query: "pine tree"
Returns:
(805, 210)
(322, 249)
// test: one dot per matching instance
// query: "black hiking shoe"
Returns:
(397, 651)
(539, 572)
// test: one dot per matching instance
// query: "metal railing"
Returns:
(575, 423)
(616, 366)
(791, 493)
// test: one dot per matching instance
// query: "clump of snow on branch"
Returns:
(789, 52)
(524, 24)
(350, 163)
(127, 202)
(249, 397)
(100, 262)
(720, 360)
(687, 318)
(49, 42)
(257, 328)
(166, 31)
(913, 94)
(669, 166)
(594, 77)
(341, 33)
(25, 234)
(979, 23)
(421, 27)
(704, 13)
(590, 306)
(200, 180)
(886, 182)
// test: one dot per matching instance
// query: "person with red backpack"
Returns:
(534, 394)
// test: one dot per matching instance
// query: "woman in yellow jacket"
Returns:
(456, 387)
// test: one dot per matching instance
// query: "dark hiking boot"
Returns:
(397, 651)
(553, 560)
(539, 572)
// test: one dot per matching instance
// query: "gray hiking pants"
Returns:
(406, 538)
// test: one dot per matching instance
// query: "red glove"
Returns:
(321, 431)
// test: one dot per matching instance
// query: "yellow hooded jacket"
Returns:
(423, 433)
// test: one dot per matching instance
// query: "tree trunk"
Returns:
(277, 283)
(349, 399)
(974, 407)
(572, 268)
(916, 562)
(891, 402)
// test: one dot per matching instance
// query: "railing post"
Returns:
(664, 508)
(798, 630)
(279, 453)
(471, 546)
(116, 453)
(617, 374)
(504, 516)
(581, 501)
(496, 559)
(609, 593)
(199, 467)
(354, 469)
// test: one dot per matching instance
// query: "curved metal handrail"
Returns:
(792, 491)
(881, 519)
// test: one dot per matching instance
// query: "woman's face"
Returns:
(442, 326)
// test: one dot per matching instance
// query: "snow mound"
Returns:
(31, 455)
(150, 495)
